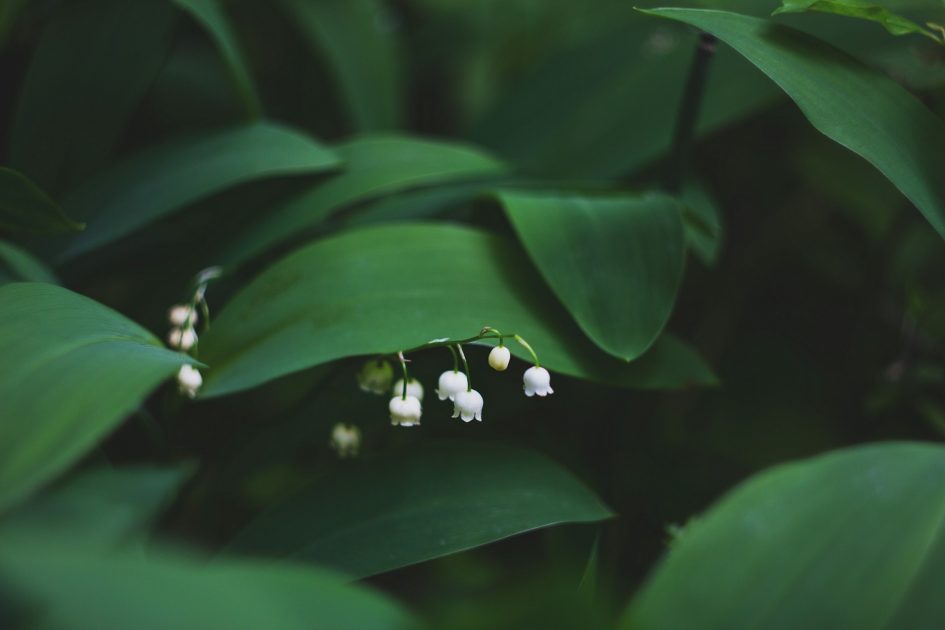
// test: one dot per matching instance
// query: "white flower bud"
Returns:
(181, 314)
(375, 377)
(405, 412)
(182, 339)
(414, 388)
(468, 405)
(346, 439)
(499, 358)
(450, 383)
(537, 381)
(189, 380)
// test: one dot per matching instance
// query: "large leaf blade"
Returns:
(393, 287)
(857, 107)
(168, 177)
(86, 46)
(374, 165)
(77, 587)
(25, 207)
(852, 539)
(72, 370)
(615, 262)
(422, 504)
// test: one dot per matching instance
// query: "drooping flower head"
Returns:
(182, 338)
(451, 383)
(499, 358)
(375, 377)
(189, 380)
(182, 314)
(537, 381)
(405, 412)
(468, 405)
(414, 388)
(346, 439)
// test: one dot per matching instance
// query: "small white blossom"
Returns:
(405, 412)
(182, 339)
(499, 358)
(450, 383)
(189, 380)
(375, 377)
(468, 405)
(414, 388)
(537, 381)
(181, 314)
(346, 439)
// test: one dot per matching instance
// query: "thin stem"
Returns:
(526, 345)
(455, 359)
(403, 366)
(459, 349)
(489, 329)
(689, 113)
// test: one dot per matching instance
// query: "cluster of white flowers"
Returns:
(406, 407)
(183, 334)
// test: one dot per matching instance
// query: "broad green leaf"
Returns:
(91, 68)
(17, 265)
(26, 208)
(851, 539)
(9, 11)
(608, 106)
(393, 287)
(74, 587)
(358, 44)
(614, 261)
(168, 177)
(212, 15)
(373, 166)
(72, 370)
(895, 24)
(862, 110)
(420, 504)
(104, 506)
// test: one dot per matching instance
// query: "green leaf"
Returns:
(418, 505)
(9, 11)
(614, 261)
(393, 287)
(851, 539)
(214, 19)
(75, 587)
(359, 46)
(862, 110)
(168, 177)
(702, 220)
(607, 106)
(103, 507)
(895, 24)
(73, 370)
(374, 165)
(17, 265)
(24, 207)
(91, 68)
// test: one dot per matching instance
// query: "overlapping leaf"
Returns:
(852, 539)
(419, 505)
(392, 287)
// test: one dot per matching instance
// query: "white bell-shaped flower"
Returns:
(181, 314)
(468, 405)
(537, 381)
(182, 339)
(499, 358)
(405, 412)
(450, 384)
(189, 380)
(346, 439)
(414, 388)
(375, 377)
